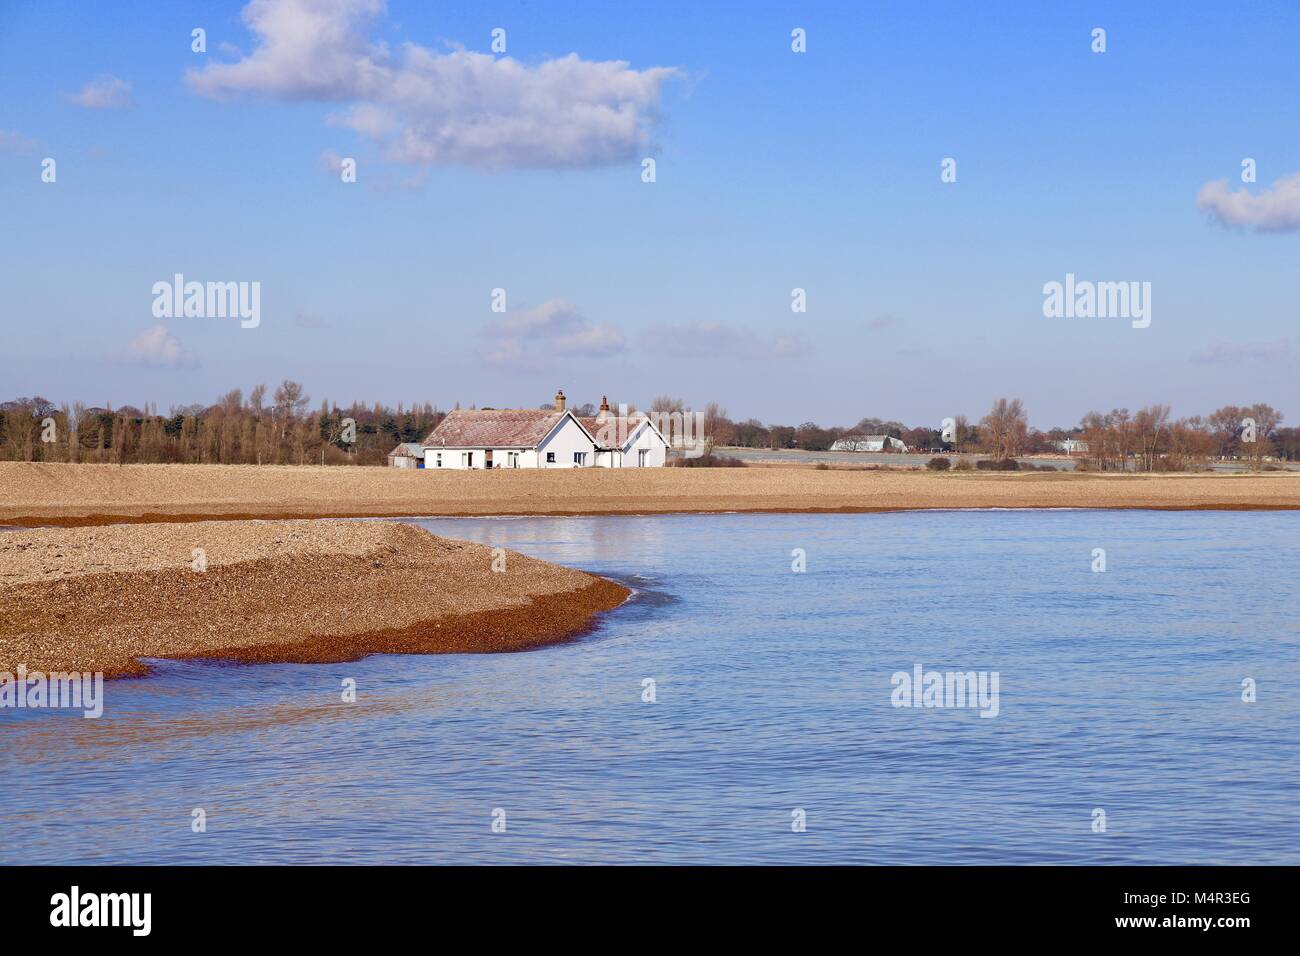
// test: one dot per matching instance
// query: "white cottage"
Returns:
(625, 441)
(542, 438)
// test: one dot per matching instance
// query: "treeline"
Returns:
(1151, 440)
(1147, 440)
(280, 429)
(252, 430)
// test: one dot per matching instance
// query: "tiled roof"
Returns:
(607, 431)
(409, 448)
(493, 428)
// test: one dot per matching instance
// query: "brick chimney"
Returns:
(604, 408)
(559, 400)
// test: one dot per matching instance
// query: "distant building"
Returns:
(1072, 446)
(543, 438)
(409, 454)
(868, 443)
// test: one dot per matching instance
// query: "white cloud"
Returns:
(105, 92)
(331, 161)
(366, 119)
(712, 339)
(158, 348)
(440, 109)
(511, 353)
(531, 337)
(12, 141)
(1273, 210)
(594, 341)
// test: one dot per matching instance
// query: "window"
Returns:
(512, 459)
(467, 459)
(437, 460)
(550, 457)
(641, 457)
(579, 458)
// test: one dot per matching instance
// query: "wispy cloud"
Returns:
(331, 161)
(532, 338)
(106, 92)
(158, 348)
(1235, 353)
(440, 109)
(711, 339)
(15, 142)
(1272, 210)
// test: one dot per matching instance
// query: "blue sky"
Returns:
(775, 170)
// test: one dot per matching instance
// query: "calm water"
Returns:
(1119, 691)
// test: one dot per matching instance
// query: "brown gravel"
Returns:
(97, 599)
(35, 494)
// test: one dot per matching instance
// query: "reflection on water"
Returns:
(1119, 690)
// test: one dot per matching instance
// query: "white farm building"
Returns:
(868, 443)
(543, 438)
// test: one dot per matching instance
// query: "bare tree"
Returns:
(666, 403)
(718, 429)
(1263, 421)
(1225, 423)
(961, 433)
(1149, 425)
(290, 399)
(1005, 428)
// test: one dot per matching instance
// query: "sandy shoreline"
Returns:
(98, 599)
(86, 495)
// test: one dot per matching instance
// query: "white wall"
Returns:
(563, 442)
(649, 440)
(642, 438)
(452, 458)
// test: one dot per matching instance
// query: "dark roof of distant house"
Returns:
(494, 428)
